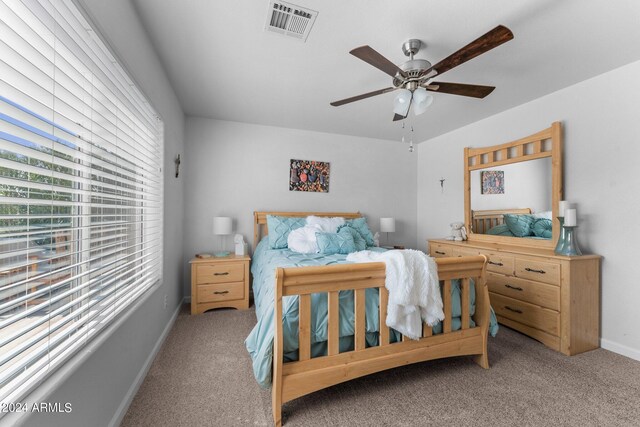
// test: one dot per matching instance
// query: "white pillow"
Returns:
(303, 239)
(545, 214)
(328, 225)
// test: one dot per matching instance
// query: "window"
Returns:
(80, 189)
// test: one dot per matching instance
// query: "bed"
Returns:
(287, 348)
(485, 220)
(513, 223)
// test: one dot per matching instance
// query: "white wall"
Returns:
(602, 147)
(98, 387)
(526, 185)
(234, 169)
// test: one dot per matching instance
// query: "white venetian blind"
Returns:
(80, 189)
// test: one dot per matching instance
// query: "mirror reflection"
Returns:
(513, 200)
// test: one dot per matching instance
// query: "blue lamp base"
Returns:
(570, 246)
(221, 254)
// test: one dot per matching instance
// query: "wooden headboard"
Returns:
(482, 221)
(260, 228)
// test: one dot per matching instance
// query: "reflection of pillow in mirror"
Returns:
(519, 225)
(500, 230)
(545, 214)
(542, 227)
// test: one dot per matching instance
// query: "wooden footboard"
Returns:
(294, 379)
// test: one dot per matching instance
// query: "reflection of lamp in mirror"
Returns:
(388, 225)
(222, 226)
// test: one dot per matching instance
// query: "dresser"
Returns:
(554, 299)
(219, 282)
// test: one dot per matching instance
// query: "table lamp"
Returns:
(222, 226)
(387, 225)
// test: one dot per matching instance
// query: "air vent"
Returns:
(290, 20)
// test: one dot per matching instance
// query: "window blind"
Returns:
(80, 189)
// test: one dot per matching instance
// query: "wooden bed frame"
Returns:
(483, 221)
(295, 379)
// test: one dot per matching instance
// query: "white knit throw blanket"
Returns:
(414, 290)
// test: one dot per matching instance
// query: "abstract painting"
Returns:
(308, 175)
(492, 182)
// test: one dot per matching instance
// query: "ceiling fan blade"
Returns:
(363, 96)
(475, 91)
(372, 57)
(482, 44)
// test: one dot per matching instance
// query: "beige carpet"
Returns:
(202, 376)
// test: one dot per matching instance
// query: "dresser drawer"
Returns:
(525, 313)
(524, 290)
(499, 263)
(465, 252)
(219, 273)
(220, 292)
(538, 270)
(437, 250)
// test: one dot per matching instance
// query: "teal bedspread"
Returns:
(259, 343)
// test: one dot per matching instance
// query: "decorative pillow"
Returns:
(303, 239)
(328, 225)
(500, 230)
(279, 229)
(360, 224)
(359, 241)
(334, 243)
(542, 227)
(519, 225)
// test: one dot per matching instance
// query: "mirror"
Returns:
(512, 190)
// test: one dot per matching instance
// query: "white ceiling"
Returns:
(224, 65)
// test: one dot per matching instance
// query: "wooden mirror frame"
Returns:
(529, 148)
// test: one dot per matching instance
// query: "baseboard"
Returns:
(128, 398)
(187, 299)
(624, 350)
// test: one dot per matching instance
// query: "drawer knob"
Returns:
(499, 264)
(515, 310)
(533, 270)
(221, 292)
(515, 288)
(221, 274)
(440, 253)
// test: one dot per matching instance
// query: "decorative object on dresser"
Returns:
(458, 232)
(563, 205)
(387, 225)
(569, 244)
(219, 282)
(222, 226)
(551, 297)
(293, 379)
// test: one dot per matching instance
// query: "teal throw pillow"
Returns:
(359, 241)
(519, 225)
(500, 230)
(334, 243)
(542, 227)
(279, 229)
(360, 224)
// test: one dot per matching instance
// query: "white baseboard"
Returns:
(624, 350)
(128, 398)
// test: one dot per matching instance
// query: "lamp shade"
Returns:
(402, 102)
(222, 225)
(421, 100)
(387, 225)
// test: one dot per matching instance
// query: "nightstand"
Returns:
(219, 282)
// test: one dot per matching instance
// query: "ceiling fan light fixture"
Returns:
(401, 102)
(421, 101)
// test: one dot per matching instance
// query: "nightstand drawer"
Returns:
(538, 270)
(218, 273)
(525, 313)
(439, 251)
(220, 292)
(524, 290)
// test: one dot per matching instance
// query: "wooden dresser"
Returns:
(554, 299)
(219, 282)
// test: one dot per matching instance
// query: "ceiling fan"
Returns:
(415, 77)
